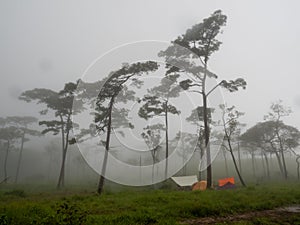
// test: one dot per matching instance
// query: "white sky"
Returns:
(48, 43)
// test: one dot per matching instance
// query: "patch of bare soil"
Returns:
(279, 214)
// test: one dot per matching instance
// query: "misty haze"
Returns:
(148, 112)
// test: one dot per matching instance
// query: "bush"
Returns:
(4, 219)
(68, 214)
(16, 192)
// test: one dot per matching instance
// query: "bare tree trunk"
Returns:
(61, 179)
(153, 155)
(298, 166)
(183, 161)
(153, 172)
(298, 173)
(282, 155)
(201, 152)
(232, 155)
(167, 139)
(65, 144)
(267, 164)
(237, 169)
(284, 165)
(140, 169)
(253, 164)
(239, 157)
(184, 165)
(5, 161)
(60, 182)
(279, 163)
(207, 146)
(103, 171)
(104, 165)
(225, 160)
(20, 158)
(263, 164)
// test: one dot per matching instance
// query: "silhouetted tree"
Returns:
(202, 42)
(61, 103)
(230, 125)
(114, 90)
(277, 112)
(152, 138)
(274, 137)
(188, 144)
(196, 118)
(8, 136)
(298, 166)
(156, 103)
(22, 123)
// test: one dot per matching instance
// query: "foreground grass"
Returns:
(140, 207)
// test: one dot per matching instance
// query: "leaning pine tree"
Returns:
(61, 103)
(201, 41)
(114, 90)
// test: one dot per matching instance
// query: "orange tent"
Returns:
(201, 185)
(224, 181)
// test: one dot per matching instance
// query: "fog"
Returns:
(45, 44)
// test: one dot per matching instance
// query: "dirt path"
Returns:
(280, 215)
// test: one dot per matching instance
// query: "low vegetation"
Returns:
(140, 206)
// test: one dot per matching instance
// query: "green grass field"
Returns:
(140, 206)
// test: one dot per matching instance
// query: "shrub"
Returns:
(16, 192)
(68, 214)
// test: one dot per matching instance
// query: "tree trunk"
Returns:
(103, 171)
(282, 155)
(153, 155)
(140, 169)
(61, 179)
(20, 157)
(184, 164)
(284, 165)
(104, 165)
(237, 169)
(233, 159)
(298, 166)
(200, 172)
(207, 147)
(225, 160)
(201, 152)
(298, 172)
(239, 157)
(253, 164)
(5, 161)
(263, 164)
(153, 173)
(65, 145)
(167, 139)
(267, 164)
(279, 163)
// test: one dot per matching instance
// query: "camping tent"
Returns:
(185, 181)
(226, 183)
(200, 186)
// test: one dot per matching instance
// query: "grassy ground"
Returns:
(147, 207)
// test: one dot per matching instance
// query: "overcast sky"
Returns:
(48, 43)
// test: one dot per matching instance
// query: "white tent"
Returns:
(185, 180)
